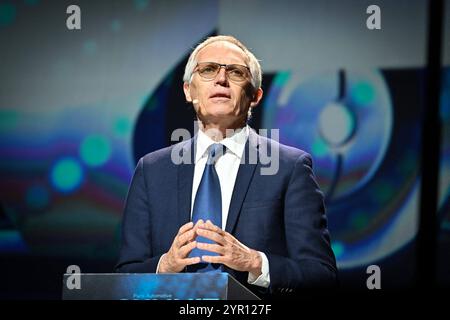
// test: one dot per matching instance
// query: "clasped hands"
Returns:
(232, 253)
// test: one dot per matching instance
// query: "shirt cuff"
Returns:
(264, 278)
(157, 267)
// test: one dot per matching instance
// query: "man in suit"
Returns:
(219, 211)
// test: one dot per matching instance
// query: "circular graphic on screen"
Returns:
(366, 166)
(345, 123)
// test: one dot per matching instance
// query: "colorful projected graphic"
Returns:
(348, 135)
(345, 119)
(63, 181)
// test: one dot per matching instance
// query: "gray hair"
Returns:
(252, 62)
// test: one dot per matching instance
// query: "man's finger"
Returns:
(210, 226)
(213, 259)
(185, 237)
(185, 227)
(186, 249)
(198, 223)
(211, 247)
(212, 235)
(189, 261)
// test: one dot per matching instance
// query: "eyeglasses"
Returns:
(234, 72)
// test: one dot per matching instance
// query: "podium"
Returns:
(151, 286)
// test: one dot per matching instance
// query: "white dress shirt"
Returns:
(227, 167)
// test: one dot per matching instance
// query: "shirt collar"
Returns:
(234, 143)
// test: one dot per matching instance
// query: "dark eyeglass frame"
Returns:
(228, 69)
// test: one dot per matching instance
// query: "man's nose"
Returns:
(221, 77)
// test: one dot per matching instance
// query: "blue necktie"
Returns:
(208, 206)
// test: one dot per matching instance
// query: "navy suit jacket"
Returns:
(282, 215)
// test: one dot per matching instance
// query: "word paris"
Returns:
(265, 151)
(73, 21)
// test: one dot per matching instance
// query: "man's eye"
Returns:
(237, 72)
(208, 69)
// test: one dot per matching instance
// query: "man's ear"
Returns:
(187, 92)
(256, 97)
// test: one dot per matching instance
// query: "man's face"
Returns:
(220, 100)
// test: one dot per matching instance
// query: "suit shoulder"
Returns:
(287, 153)
(162, 156)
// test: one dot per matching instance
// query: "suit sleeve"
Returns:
(310, 262)
(135, 252)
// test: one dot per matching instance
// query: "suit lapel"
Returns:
(243, 179)
(185, 179)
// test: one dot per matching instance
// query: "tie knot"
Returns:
(215, 151)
